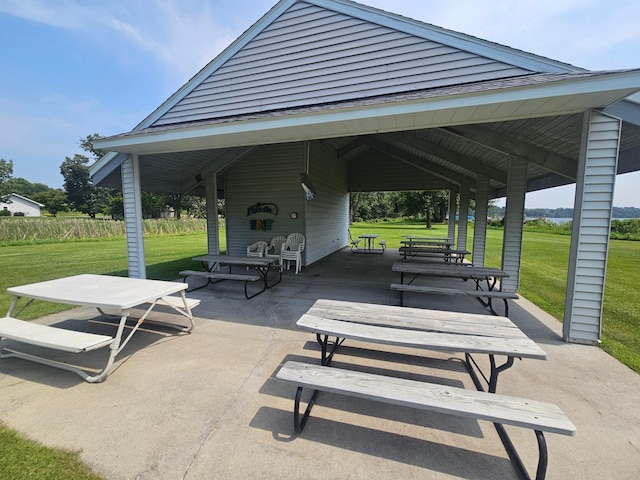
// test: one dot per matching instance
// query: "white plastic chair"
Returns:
(292, 249)
(273, 250)
(354, 243)
(256, 249)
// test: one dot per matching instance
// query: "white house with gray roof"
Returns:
(17, 204)
(360, 99)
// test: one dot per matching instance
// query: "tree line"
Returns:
(79, 194)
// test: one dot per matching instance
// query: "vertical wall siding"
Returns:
(327, 215)
(133, 217)
(591, 226)
(267, 175)
(513, 225)
(311, 55)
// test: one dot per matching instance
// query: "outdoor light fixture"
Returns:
(307, 186)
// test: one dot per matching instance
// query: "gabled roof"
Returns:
(25, 199)
(336, 69)
(300, 42)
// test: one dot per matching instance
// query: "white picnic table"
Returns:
(106, 293)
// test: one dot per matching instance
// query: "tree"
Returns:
(86, 144)
(25, 188)
(6, 171)
(78, 186)
(433, 205)
(54, 200)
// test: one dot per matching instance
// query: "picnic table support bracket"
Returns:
(298, 424)
(502, 433)
(491, 284)
(543, 455)
(249, 297)
(324, 345)
(14, 303)
(492, 381)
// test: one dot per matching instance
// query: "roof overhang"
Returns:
(529, 97)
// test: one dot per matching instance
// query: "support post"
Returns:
(132, 201)
(592, 210)
(480, 224)
(514, 223)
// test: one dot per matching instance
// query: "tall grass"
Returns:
(21, 231)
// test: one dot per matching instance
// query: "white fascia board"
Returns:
(502, 53)
(101, 163)
(25, 199)
(289, 128)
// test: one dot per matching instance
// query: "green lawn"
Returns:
(23, 459)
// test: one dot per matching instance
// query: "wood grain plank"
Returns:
(445, 399)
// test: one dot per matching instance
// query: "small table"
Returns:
(104, 292)
(368, 239)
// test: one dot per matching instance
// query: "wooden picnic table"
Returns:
(428, 330)
(421, 328)
(214, 263)
(447, 254)
(465, 272)
(427, 241)
(490, 275)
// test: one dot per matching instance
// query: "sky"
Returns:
(71, 68)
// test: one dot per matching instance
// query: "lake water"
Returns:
(554, 220)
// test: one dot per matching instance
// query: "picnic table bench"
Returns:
(426, 329)
(489, 275)
(447, 254)
(500, 409)
(213, 273)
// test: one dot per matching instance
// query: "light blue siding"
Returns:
(311, 55)
(591, 225)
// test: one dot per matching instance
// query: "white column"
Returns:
(451, 233)
(480, 224)
(132, 201)
(595, 183)
(213, 229)
(463, 221)
(513, 224)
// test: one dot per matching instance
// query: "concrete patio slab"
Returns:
(207, 405)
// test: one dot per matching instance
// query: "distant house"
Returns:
(19, 205)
